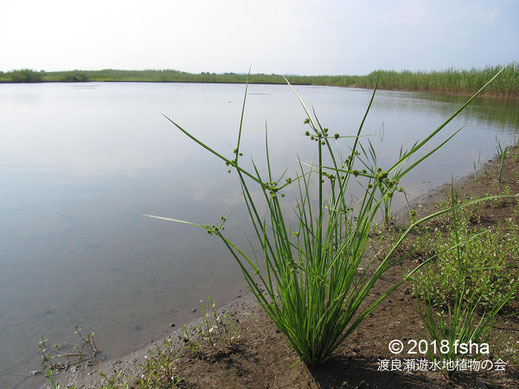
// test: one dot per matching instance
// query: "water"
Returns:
(80, 164)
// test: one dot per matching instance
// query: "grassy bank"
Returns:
(446, 81)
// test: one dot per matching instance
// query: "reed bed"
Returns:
(457, 81)
(449, 81)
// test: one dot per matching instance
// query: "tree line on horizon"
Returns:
(447, 81)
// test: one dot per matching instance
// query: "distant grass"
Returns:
(452, 80)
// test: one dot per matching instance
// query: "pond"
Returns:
(81, 163)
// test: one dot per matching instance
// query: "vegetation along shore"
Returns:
(454, 81)
(253, 353)
(339, 290)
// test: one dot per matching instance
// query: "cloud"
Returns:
(413, 12)
(494, 14)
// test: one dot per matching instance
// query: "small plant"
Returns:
(217, 332)
(501, 156)
(57, 360)
(456, 319)
(485, 255)
(412, 215)
(159, 369)
(158, 372)
(192, 344)
(217, 329)
(508, 350)
(50, 376)
(114, 381)
(477, 166)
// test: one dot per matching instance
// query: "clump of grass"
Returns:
(191, 343)
(57, 359)
(159, 369)
(217, 333)
(460, 300)
(501, 156)
(486, 256)
(449, 80)
(312, 284)
(488, 252)
(217, 329)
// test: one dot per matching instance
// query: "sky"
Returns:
(270, 36)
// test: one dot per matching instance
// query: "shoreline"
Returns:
(129, 365)
(484, 94)
(247, 311)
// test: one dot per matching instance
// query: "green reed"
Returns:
(444, 81)
(314, 281)
(449, 80)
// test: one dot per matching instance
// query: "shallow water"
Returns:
(80, 163)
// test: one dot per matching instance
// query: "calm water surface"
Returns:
(80, 163)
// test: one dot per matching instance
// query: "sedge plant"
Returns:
(314, 281)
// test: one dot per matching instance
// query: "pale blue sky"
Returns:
(274, 36)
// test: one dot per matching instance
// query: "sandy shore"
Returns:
(84, 377)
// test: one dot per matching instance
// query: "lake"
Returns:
(81, 163)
